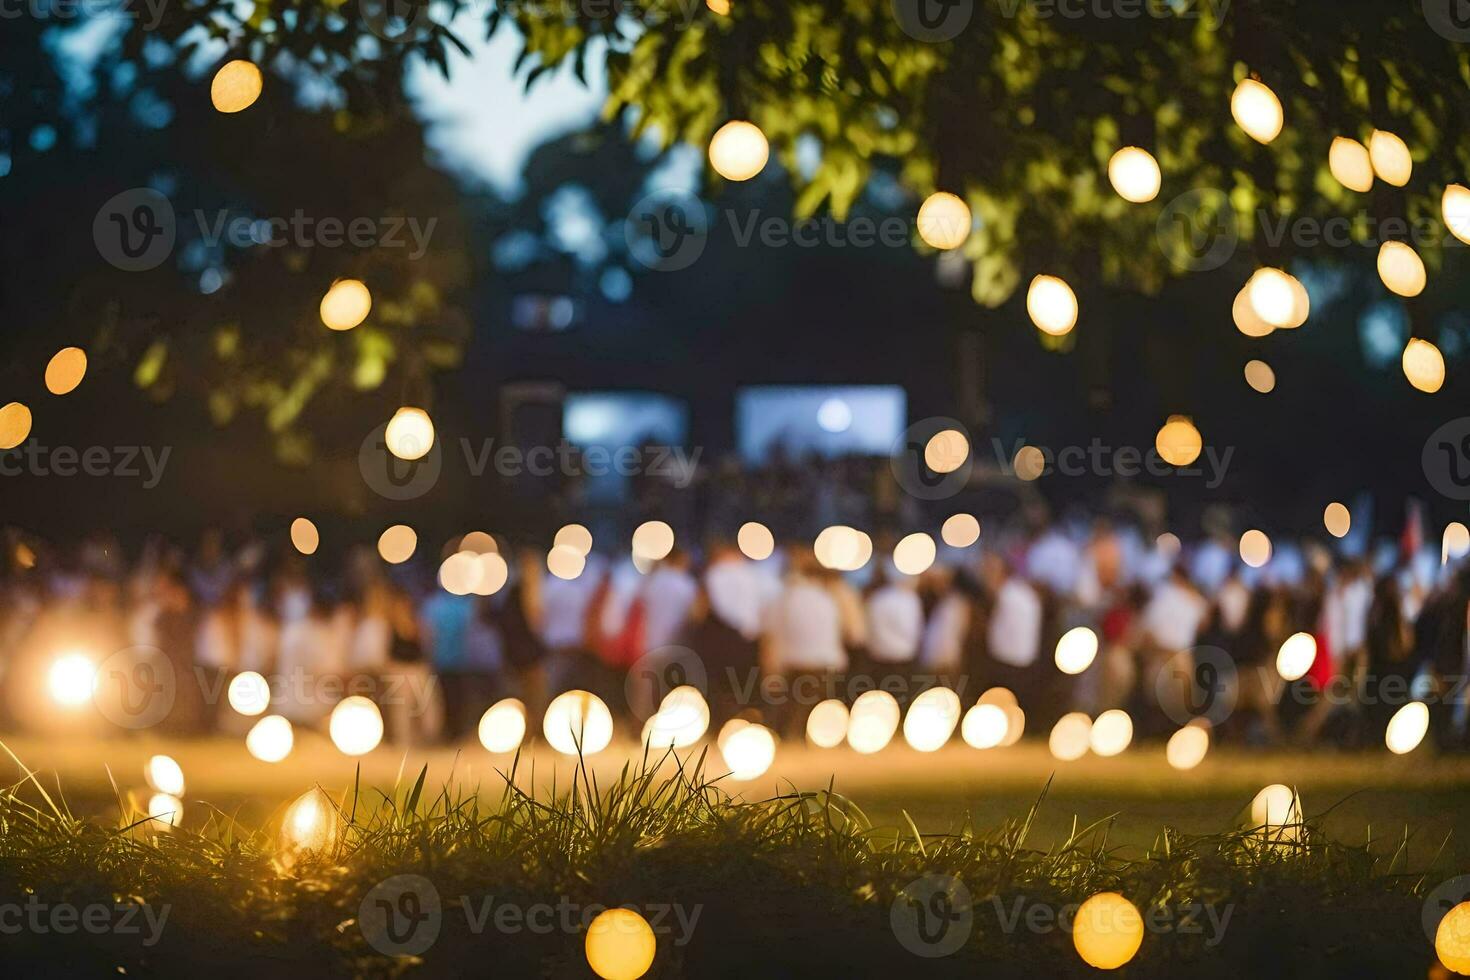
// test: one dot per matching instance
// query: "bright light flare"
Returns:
(1112, 732)
(931, 719)
(1107, 931)
(1407, 728)
(985, 726)
(503, 726)
(1051, 305)
(1256, 110)
(826, 726)
(944, 220)
(577, 718)
(873, 720)
(1076, 650)
(72, 680)
(1134, 174)
(1070, 737)
(165, 775)
(1296, 656)
(738, 150)
(271, 739)
(1187, 747)
(356, 726)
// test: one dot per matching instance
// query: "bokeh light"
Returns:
(749, 751)
(249, 693)
(1296, 656)
(310, 825)
(1423, 365)
(1350, 164)
(1407, 728)
(15, 425)
(872, 721)
(410, 433)
(755, 540)
(270, 739)
(1029, 463)
(1070, 737)
(356, 725)
(1187, 747)
(1112, 732)
(1255, 548)
(914, 554)
(1401, 269)
(1454, 206)
(1178, 441)
(944, 220)
(931, 719)
(985, 726)
(65, 370)
(1337, 519)
(620, 945)
(577, 718)
(166, 810)
(1260, 376)
(1076, 650)
(1256, 110)
(304, 536)
(1134, 174)
(826, 726)
(503, 726)
(1052, 305)
(946, 451)
(652, 541)
(236, 86)
(565, 562)
(1107, 931)
(1390, 157)
(1452, 939)
(960, 530)
(165, 775)
(346, 304)
(738, 150)
(397, 544)
(574, 536)
(72, 679)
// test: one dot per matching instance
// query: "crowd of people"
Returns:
(1176, 624)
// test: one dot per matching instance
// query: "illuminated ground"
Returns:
(1370, 792)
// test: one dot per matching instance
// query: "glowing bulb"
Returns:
(1029, 463)
(946, 451)
(1276, 298)
(490, 574)
(1134, 174)
(1423, 365)
(720, 7)
(165, 775)
(1107, 931)
(1187, 747)
(166, 809)
(1350, 164)
(15, 425)
(236, 86)
(1256, 110)
(1178, 441)
(620, 945)
(756, 541)
(652, 541)
(1260, 377)
(249, 693)
(914, 554)
(1076, 650)
(872, 721)
(356, 726)
(577, 718)
(310, 825)
(65, 370)
(72, 679)
(1407, 728)
(1111, 733)
(1244, 315)
(944, 220)
(1255, 548)
(984, 726)
(960, 531)
(271, 739)
(1455, 542)
(931, 719)
(738, 150)
(1390, 157)
(304, 536)
(1452, 939)
(410, 433)
(1337, 519)
(841, 548)
(503, 726)
(576, 537)
(1455, 206)
(1296, 655)
(749, 752)
(1070, 737)
(397, 544)
(1275, 806)
(1401, 269)
(565, 562)
(347, 303)
(681, 720)
(1052, 305)
(826, 726)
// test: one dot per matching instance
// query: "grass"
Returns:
(803, 884)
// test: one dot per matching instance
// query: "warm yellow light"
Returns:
(356, 725)
(946, 451)
(985, 726)
(346, 304)
(1423, 365)
(1004, 699)
(410, 433)
(1255, 548)
(681, 720)
(249, 694)
(1296, 655)
(503, 726)
(65, 370)
(960, 530)
(166, 809)
(565, 562)
(1455, 206)
(931, 719)
(490, 574)
(1111, 733)
(652, 541)
(1029, 463)
(1134, 174)
(1276, 806)
(1256, 110)
(576, 537)
(1187, 747)
(1178, 441)
(749, 752)
(1244, 315)
(914, 554)
(944, 220)
(270, 739)
(304, 536)
(840, 547)
(1076, 650)
(872, 721)
(460, 573)
(236, 86)
(826, 726)
(1051, 305)
(15, 425)
(479, 543)
(1337, 519)
(1350, 164)
(620, 945)
(1452, 939)
(1390, 157)
(1401, 269)
(310, 826)
(721, 7)
(756, 541)
(1407, 728)
(1070, 737)
(72, 679)
(165, 775)
(577, 718)
(1107, 931)
(1277, 298)
(397, 544)
(1260, 377)
(1455, 542)
(738, 150)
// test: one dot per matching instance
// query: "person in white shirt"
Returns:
(1013, 632)
(895, 621)
(802, 641)
(1172, 619)
(668, 595)
(562, 624)
(942, 650)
